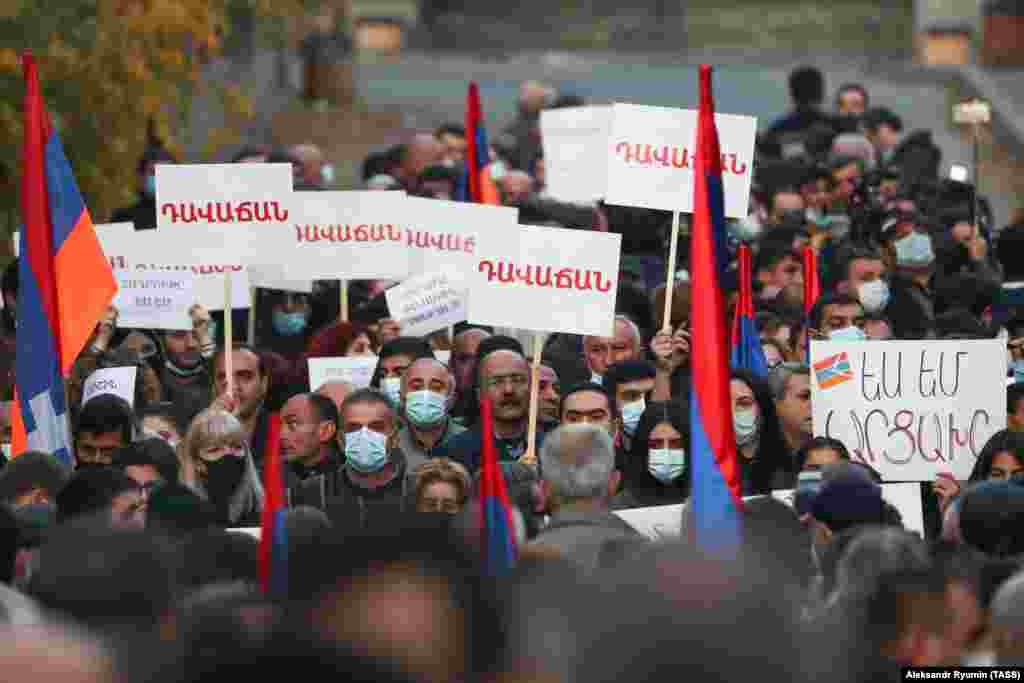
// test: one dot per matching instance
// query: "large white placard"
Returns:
(548, 280)
(356, 370)
(156, 300)
(649, 157)
(426, 303)
(116, 381)
(910, 409)
(574, 140)
(338, 236)
(218, 196)
(452, 236)
(904, 496)
(135, 252)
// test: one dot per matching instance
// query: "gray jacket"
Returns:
(582, 536)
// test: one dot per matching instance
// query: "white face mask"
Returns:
(666, 464)
(631, 414)
(847, 334)
(391, 387)
(874, 295)
(745, 423)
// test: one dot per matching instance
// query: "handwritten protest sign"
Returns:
(133, 253)
(649, 157)
(550, 280)
(156, 300)
(216, 196)
(339, 236)
(904, 496)
(910, 409)
(574, 140)
(426, 303)
(356, 370)
(117, 381)
(442, 235)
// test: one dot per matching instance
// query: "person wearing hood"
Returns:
(284, 322)
(373, 487)
(218, 464)
(915, 154)
(658, 468)
(910, 258)
(428, 392)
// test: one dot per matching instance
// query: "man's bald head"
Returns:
(422, 150)
(428, 374)
(503, 358)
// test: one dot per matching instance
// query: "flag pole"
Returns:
(343, 300)
(251, 336)
(530, 456)
(670, 276)
(228, 336)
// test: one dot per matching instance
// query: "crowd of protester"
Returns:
(125, 566)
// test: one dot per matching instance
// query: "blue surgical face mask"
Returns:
(289, 324)
(745, 424)
(391, 387)
(1017, 367)
(425, 408)
(847, 334)
(666, 464)
(631, 413)
(149, 186)
(914, 251)
(366, 451)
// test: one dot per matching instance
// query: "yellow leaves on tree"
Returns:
(110, 69)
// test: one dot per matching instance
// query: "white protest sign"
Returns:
(117, 381)
(338, 236)
(659, 523)
(904, 496)
(574, 140)
(253, 531)
(650, 153)
(218, 197)
(444, 235)
(356, 370)
(910, 409)
(274, 276)
(134, 253)
(444, 356)
(548, 280)
(156, 300)
(426, 303)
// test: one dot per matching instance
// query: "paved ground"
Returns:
(430, 88)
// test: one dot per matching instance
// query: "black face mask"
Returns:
(222, 478)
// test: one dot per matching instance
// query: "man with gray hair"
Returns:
(579, 480)
(428, 393)
(602, 352)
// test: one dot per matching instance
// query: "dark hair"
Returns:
(326, 410)
(218, 556)
(32, 470)
(880, 116)
(589, 386)
(449, 128)
(155, 453)
(92, 490)
(992, 518)
(806, 86)
(852, 87)
(846, 256)
(106, 413)
(10, 534)
(364, 395)
(634, 303)
(1003, 441)
(250, 151)
(176, 510)
(155, 154)
(627, 371)
(414, 347)
(9, 283)
(771, 254)
(817, 312)
(772, 453)
(820, 443)
(261, 361)
(637, 479)
(1009, 247)
(1014, 393)
(464, 326)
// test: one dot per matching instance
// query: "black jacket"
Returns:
(917, 158)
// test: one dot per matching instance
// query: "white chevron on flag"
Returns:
(51, 433)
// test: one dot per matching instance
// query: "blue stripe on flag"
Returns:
(715, 518)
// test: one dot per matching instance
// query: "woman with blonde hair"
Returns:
(441, 485)
(218, 464)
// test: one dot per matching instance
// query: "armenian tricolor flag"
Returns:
(65, 282)
(716, 500)
(273, 557)
(476, 184)
(747, 352)
(497, 529)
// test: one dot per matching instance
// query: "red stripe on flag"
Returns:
(812, 288)
(473, 121)
(274, 500)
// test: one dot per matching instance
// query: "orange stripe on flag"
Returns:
(19, 438)
(85, 287)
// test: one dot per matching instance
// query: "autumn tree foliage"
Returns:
(112, 70)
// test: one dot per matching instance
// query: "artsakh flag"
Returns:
(812, 287)
(497, 530)
(273, 557)
(65, 282)
(476, 184)
(747, 352)
(716, 498)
